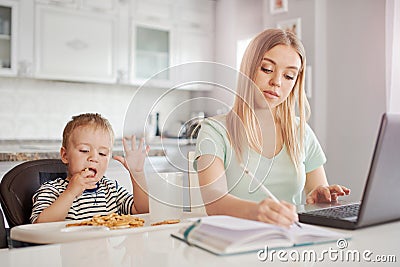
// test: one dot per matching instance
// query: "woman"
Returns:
(263, 134)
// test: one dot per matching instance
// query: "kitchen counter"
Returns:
(22, 150)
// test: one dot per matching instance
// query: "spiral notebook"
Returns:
(224, 235)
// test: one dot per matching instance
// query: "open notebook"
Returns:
(224, 235)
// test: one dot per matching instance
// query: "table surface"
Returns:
(158, 248)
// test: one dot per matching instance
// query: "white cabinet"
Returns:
(194, 46)
(151, 52)
(195, 30)
(152, 40)
(153, 11)
(110, 41)
(166, 33)
(74, 45)
(8, 37)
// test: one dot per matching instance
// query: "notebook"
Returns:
(224, 235)
(382, 186)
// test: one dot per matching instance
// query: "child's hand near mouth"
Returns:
(81, 181)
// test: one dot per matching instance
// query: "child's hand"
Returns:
(81, 181)
(135, 156)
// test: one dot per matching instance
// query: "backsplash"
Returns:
(39, 109)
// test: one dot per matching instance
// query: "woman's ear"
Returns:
(63, 154)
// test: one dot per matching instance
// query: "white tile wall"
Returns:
(39, 109)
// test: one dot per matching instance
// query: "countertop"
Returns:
(371, 246)
(22, 150)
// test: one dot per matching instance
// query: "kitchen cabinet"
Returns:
(151, 51)
(8, 37)
(167, 33)
(195, 31)
(75, 45)
(151, 33)
(194, 46)
(158, 12)
(105, 41)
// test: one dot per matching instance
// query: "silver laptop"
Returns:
(381, 188)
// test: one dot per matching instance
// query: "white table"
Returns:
(158, 248)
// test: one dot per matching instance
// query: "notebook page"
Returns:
(313, 234)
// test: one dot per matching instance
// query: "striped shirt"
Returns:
(108, 198)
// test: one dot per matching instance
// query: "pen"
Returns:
(263, 187)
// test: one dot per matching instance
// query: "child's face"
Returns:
(87, 147)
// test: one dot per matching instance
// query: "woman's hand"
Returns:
(280, 213)
(324, 193)
(134, 156)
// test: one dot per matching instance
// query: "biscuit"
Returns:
(174, 221)
(112, 221)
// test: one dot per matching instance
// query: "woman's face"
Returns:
(277, 75)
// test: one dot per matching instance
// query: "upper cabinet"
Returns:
(195, 30)
(152, 40)
(106, 41)
(8, 37)
(152, 52)
(167, 33)
(76, 45)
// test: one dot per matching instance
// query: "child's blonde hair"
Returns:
(88, 119)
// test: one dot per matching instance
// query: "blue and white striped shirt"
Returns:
(108, 198)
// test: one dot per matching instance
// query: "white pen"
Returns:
(263, 187)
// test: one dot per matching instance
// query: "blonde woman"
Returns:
(265, 133)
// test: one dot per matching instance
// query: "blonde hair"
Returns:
(88, 119)
(241, 121)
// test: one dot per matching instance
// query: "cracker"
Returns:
(174, 221)
(112, 221)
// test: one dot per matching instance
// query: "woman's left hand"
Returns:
(324, 193)
(134, 156)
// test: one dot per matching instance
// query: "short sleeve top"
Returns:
(278, 174)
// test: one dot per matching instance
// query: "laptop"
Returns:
(381, 188)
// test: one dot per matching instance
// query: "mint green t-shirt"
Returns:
(278, 174)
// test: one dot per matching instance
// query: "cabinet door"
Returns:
(153, 11)
(194, 33)
(151, 52)
(195, 46)
(8, 38)
(195, 15)
(74, 45)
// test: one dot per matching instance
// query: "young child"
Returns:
(86, 150)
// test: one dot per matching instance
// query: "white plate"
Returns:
(56, 232)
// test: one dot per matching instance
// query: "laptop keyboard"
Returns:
(338, 212)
